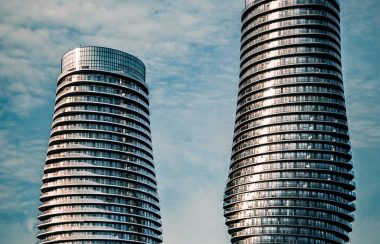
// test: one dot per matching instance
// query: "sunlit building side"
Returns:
(99, 183)
(290, 178)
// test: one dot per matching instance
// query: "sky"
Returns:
(191, 51)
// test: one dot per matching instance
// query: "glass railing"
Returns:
(252, 159)
(256, 31)
(248, 60)
(292, 166)
(301, 194)
(104, 80)
(90, 179)
(101, 154)
(94, 165)
(295, 89)
(93, 98)
(130, 136)
(101, 200)
(290, 71)
(96, 122)
(273, 5)
(324, 232)
(132, 146)
(106, 110)
(99, 209)
(99, 190)
(299, 81)
(289, 179)
(295, 12)
(289, 61)
(250, 50)
(268, 102)
(298, 204)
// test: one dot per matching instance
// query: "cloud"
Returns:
(363, 114)
(35, 35)
(191, 51)
(360, 42)
(21, 162)
(360, 55)
(18, 157)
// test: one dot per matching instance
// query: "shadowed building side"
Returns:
(290, 178)
(99, 183)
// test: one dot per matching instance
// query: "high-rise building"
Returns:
(99, 183)
(290, 178)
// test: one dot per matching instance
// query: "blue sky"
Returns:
(191, 50)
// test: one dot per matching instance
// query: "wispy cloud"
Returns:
(164, 34)
(191, 50)
(361, 48)
(360, 57)
(21, 163)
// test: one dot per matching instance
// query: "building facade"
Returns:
(290, 178)
(99, 183)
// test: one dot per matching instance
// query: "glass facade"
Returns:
(290, 178)
(99, 183)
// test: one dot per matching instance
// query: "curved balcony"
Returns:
(255, 7)
(330, 123)
(290, 62)
(290, 90)
(143, 208)
(102, 137)
(249, 160)
(91, 228)
(65, 220)
(141, 215)
(105, 93)
(300, 81)
(288, 52)
(119, 83)
(83, 179)
(122, 193)
(241, 142)
(265, 102)
(304, 36)
(290, 109)
(324, 234)
(129, 147)
(291, 194)
(106, 110)
(288, 204)
(283, 24)
(56, 169)
(254, 50)
(119, 126)
(83, 156)
(295, 12)
(292, 71)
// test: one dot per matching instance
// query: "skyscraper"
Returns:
(290, 178)
(99, 183)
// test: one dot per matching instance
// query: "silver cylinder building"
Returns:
(99, 183)
(290, 178)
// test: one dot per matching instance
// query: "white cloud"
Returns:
(186, 46)
(21, 157)
(35, 35)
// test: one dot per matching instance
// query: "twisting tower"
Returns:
(99, 183)
(290, 178)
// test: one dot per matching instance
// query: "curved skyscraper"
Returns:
(290, 178)
(99, 183)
